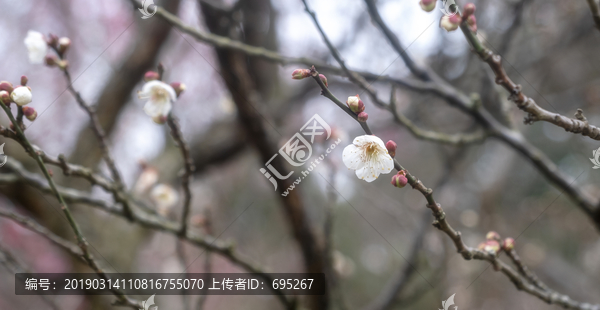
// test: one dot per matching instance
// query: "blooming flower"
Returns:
(369, 157)
(160, 96)
(21, 95)
(165, 198)
(37, 46)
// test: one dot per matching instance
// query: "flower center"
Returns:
(159, 94)
(371, 151)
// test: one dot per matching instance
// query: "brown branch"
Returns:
(186, 178)
(593, 4)
(468, 253)
(82, 242)
(101, 136)
(527, 104)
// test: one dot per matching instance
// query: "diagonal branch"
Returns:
(440, 222)
(593, 4)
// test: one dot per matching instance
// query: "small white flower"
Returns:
(369, 157)
(161, 96)
(165, 198)
(21, 95)
(37, 47)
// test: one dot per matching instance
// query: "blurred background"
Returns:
(378, 233)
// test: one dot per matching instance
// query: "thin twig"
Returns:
(186, 178)
(468, 253)
(595, 12)
(64, 207)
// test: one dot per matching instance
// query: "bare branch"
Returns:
(595, 12)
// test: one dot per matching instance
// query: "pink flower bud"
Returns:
(508, 244)
(490, 246)
(52, 40)
(355, 104)
(51, 60)
(24, 80)
(63, 45)
(6, 86)
(492, 235)
(5, 97)
(391, 147)
(399, 180)
(468, 10)
(178, 87)
(450, 23)
(323, 79)
(300, 74)
(30, 113)
(363, 117)
(427, 5)
(151, 76)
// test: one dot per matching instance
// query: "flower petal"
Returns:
(351, 157)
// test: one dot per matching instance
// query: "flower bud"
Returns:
(63, 64)
(63, 45)
(508, 244)
(30, 113)
(51, 60)
(490, 246)
(472, 22)
(363, 117)
(468, 10)
(391, 147)
(299, 74)
(24, 80)
(178, 87)
(6, 86)
(52, 40)
(399, 180)
(492, 235)
(5, 97)
(450, 23)
(161, 119)
(151, 76)
(323, 79)
(21, 95)
(427, 5)
(355, 104)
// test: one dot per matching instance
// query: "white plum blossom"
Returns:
(165, 198)
(369, 157)
(21, 95)
(161, 96)
(36, 46)
(147, 179)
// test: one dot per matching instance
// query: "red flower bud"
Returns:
(399, 180)
(52, 40)
(472, 22)
(300, 74)
(51, 60)
(30, 113)
(427, 5)
(391, 147)
(161, 119)
(5, 97)
(151, 76)
(24, 80)
(178, 87)
(508, 244)
(324, 79)
(490, 246)
(468, 10)
(492, 235)
(6, 86)
(363, 117)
